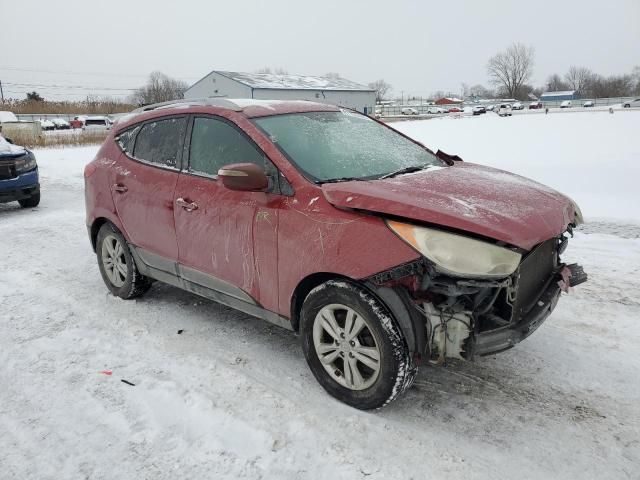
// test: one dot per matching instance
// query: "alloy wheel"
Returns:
(114, 260)
(346, 346)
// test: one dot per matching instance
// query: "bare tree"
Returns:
(578, 78)
(511, 68)
(480, 91)
(556, 84)
(159, 88)
(381, 87)
(636, 76)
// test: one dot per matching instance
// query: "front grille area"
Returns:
(7, 170)
(535, 270)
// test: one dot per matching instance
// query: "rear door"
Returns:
(144, 181)
(227, 240)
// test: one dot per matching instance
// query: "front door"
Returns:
(227, 240)
(143, 185)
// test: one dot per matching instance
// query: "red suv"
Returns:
(379, 252)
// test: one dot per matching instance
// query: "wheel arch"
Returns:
(395, 300)
(304, 287)
(97, 223)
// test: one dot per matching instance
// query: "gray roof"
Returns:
(292, 82)
(558, 94)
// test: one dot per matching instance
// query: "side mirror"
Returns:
(247, 177)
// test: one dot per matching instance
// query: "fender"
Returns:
(409, 319)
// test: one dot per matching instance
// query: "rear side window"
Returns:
(126, 139)
(160, 142)
(215, 143)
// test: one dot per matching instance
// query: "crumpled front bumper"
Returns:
(498, 340)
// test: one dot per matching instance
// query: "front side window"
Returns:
(342, 145)
(215, 143)
(160, 141)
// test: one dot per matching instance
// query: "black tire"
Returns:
(134, 284)
(32, 201)
(396, 367)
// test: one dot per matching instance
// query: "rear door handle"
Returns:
(118, 187)
(188, 206)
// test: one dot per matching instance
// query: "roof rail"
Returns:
(215, 102)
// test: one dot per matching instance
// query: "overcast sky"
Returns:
(56, 47)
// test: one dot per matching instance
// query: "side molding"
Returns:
(194, 281)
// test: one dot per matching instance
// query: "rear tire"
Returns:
(32, 201)
(117, 266)
(364, 360)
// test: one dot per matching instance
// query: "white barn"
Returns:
(267, 86)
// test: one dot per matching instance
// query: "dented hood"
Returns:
(473, 198)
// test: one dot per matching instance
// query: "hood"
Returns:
(472, 198)
(9, 150)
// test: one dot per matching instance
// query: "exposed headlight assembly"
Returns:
(25, 163)
(456, 254)
(578, 219)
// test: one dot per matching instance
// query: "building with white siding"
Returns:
(267, 86)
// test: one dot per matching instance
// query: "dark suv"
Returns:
(380, 252)
(18, 175)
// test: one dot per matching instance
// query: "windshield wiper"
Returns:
(402, 171)
(337, 180)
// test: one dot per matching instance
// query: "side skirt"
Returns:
(232, 296)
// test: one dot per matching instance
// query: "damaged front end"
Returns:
(447, 315)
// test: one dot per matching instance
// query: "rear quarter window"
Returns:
(160, 141)
(127, 138)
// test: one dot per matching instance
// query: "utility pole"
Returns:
(1, 92)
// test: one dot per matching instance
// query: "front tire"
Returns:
(117, 266)
(353, 346)
(31, 202)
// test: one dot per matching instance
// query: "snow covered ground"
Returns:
(231, 397)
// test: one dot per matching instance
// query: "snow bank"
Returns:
(593, 157)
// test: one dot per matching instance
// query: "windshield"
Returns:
(343, 145)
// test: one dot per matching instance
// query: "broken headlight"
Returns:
(26, 163)
(456, 254)
(578, 219)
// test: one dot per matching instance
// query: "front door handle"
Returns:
(118, 187)
(188, 206)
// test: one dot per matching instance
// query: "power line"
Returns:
(80, 87)
(49, 94)
(103, 74)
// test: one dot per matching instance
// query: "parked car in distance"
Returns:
(504, 110)
(566, 104)
(517, 106)
(47, 125)
(18, 175)
(77, 122)
(409, 111)
(478, 110)
(60, 124)
(454, 110)
(435, 110)
(96, 123)
(632, 103)
(535, 105)
(490, 108)
(381, 253)
(588, 103)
